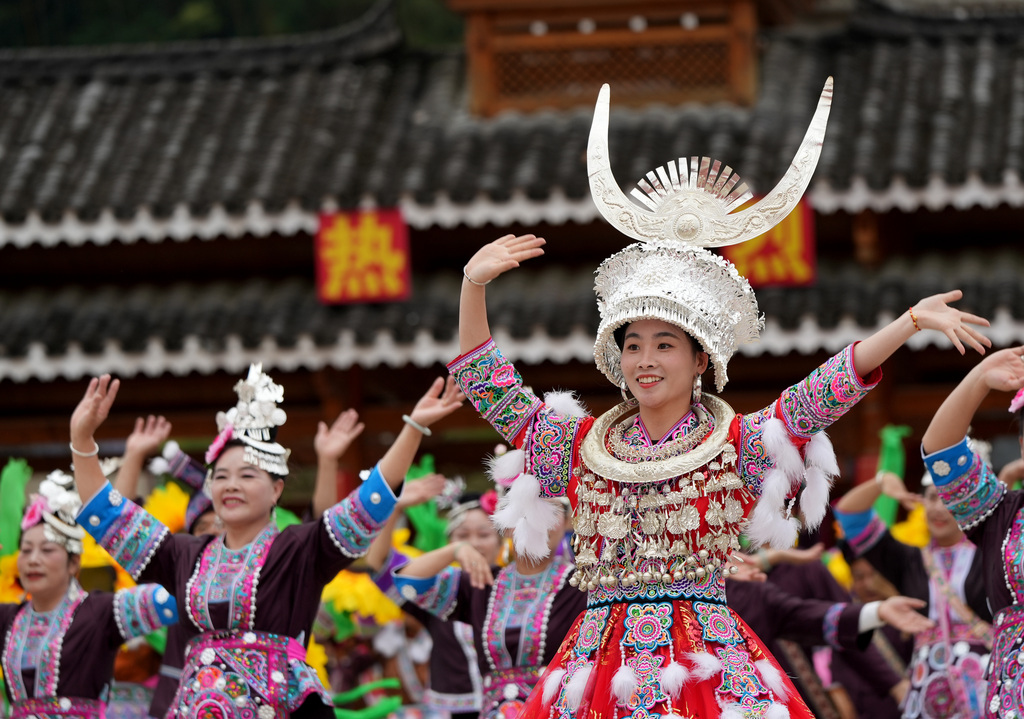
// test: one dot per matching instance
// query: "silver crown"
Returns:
(254, 418)
(61, 508)
(678, 211)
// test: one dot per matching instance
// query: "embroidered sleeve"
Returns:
(438, 594)
(353, 522)
(806, 408)
(965, 482)
(862, 530)
(128, 532)
(494, 387)
(143, 609)
(384, 578)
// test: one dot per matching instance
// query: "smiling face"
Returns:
(476, 528)
(660, 363)
(45, 568)
(242, 493)
(941, 525)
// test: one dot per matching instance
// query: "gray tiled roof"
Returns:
(42, 329)
(352, 115)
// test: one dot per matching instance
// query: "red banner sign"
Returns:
(784, 256)
(362, 256)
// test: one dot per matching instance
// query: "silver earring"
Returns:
(695, 399)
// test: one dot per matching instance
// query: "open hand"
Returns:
(443, 398)
(892, 485)
(1003, 370)
(901, 613)
(332, 442)
(148, 435)
(474, 564)
(92, 411)
(502, 255)
(934, 313)
(418, 491)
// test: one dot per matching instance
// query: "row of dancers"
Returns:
(659, 490)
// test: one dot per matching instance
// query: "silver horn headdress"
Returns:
(680, 210)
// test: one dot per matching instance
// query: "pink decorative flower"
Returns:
(217, 446)
(488, 501)
(1018, 401)
(34, 513)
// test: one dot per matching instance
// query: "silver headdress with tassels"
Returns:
(681, 209)
(253, 421)
(56, 508)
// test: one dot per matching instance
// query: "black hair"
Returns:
(239, 443)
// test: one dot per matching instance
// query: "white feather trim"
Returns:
(577, 686)
(820, 453)
(768, 527)
(775, 488)
(624, 683)
(504, 468)
(171, 449)
(814, 500)
(673, 677)
(777, 711)
(772, 678)
(565, 404)
(732, 711)
(705, 666)
(779, 444)
(552, 684)
(523, 510)
(158, 466)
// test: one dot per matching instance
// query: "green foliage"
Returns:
(25, 23)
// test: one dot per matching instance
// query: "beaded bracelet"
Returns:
(913, 319)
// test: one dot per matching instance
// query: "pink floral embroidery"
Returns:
(489, 501)
(34, 513)
(218, 444)
(1018, 401)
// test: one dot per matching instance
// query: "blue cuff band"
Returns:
(377, 497)
(853, 523)
(947, 464)
(97, 516)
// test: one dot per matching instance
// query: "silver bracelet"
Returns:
(425, 431)
(85, 454)
(471, 280)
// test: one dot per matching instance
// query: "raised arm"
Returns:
(1002, 371)
(489, 261)
(414, 493)
(863, 497)
(443, 398)
(90, 413)
(142, 443)
(330, 444)
(931, 313)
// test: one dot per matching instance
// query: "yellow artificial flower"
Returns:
(913, 530)
(168, 504)
(355, 592)
(316, 657)
(10, 592)
(836, 563)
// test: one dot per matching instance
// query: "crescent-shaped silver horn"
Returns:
(711, 229)
(773, 207)
(611, 202)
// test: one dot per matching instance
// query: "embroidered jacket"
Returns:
(279, 578)
(70, 657)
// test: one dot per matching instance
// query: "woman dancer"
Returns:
(519, 617)
(659, 497)
(948, 575)
(58, 648)
(990, 515)
(251, 594)
(456, 684)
